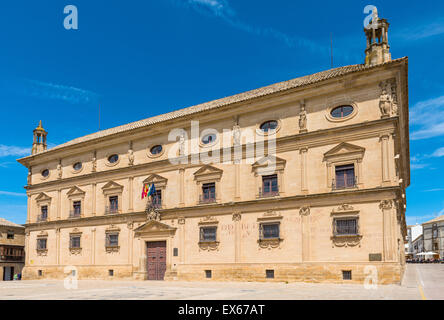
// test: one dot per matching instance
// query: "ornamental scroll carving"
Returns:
(304, 211)
(386, 204)
(237, 216)
(269, 243)
(347, 241)
(209, 245)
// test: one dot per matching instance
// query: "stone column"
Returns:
(304, 187)
(181, 221)
(57, 231)
(130, 194)
(28, 216)
(387, 226)
(385, 159)
(27, 253)
(237, 181)
(130, 226)
(59, 203)
(94, 200)
(93, 246)
(237, 236)
(182, 186)
(304, 212)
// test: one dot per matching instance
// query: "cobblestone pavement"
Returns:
(420, 282)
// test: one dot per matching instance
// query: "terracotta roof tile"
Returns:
(6, 223)
(274, 88)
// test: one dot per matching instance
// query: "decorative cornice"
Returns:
(287, 143)
(224, 208)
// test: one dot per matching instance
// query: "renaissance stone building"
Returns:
(321, 198)
(12, 249)
(434, 236)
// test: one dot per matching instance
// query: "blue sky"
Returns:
(142, 58)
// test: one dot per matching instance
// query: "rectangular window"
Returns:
(269, 274)
(175, 252)
(208, 234)
(77, 208)
(111, 273)
(346, 274)
(10, 235)
(41, 244)
(208, 192)
(269, 230)
(113, 204)
(157, 199)
(345, 176)
(112, 239)
(346, 226)
(270, 185)
(208, 274)
(44, 213)
(74, 242)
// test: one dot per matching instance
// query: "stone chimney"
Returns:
(39, 143)
(378, 49)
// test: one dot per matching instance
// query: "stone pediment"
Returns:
(159, 181)
(344, 148)
(208, 172)
(75, 191)
(154, 226)
(112, 187)
(268, 163)
(42, 197)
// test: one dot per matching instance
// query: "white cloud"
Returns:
(58, 92)
(14, 194)
(13, 151)
(222, 9)
(427, 118)
(422, 31)
(415, 166)
(434, 190)
(438, 153)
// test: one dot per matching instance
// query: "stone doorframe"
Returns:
(149, 232)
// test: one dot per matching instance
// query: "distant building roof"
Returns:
(6, 223)
(440, 218)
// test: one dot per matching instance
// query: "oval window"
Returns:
(209, 138)
(77, 166)
(113, 158)
(269, 126)
(45, 173)
(156, 149)
(342, 111)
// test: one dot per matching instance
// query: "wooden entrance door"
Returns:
(156, 260)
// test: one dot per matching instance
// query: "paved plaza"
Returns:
(421, 281)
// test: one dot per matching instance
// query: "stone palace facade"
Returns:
(323, 200)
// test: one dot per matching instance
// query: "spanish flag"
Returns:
(148, 190)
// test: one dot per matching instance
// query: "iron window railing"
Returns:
(207, 199)
(74, 214)
(269, 231)
(112, 239)
(42, 218)
(346, 227)
(208, 234)
(41, 244)
(111, 210)
(266, 194)
(351, 182)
